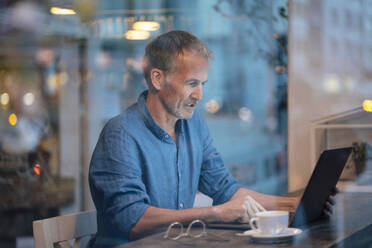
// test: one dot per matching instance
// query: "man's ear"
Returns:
(157, 78)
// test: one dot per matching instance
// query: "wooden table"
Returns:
(350, 226)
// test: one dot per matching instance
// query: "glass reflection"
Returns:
(67, 68)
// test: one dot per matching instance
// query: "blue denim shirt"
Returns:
(136, 164)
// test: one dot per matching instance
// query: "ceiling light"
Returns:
(61, 11)
(137, 35)
(146, 26)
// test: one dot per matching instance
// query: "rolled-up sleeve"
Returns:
(215, 180)
(116, 181)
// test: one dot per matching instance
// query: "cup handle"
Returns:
(253, 223)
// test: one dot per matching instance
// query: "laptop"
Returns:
(322, 181)
(324, 178)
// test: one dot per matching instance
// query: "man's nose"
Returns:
(197, 92)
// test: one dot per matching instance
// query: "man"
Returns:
(151, 160)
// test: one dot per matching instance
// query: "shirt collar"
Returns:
(152, 125)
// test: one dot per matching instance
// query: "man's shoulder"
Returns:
(129, 119)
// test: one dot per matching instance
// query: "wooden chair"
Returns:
(58, 231)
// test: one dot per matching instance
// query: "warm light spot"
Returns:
(146, 26)
(4, 99)
(367, 105)
(280, 69)
(61, 11)
(12, 119)
(45, 56)
(212, 106)
(37, 169)
(137, 35)
(28, 99)
(55, 81)
(52, 83)
(276, 36)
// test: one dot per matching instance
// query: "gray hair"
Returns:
(163, 50)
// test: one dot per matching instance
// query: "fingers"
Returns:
(250, 209)
(252, 206)
(246, 212)
(328, 210)
(331, 200)
(326, 214)
(260, 207)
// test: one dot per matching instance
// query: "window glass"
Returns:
(66, 69)
(336, 82)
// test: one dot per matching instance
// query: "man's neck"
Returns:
(160, 114)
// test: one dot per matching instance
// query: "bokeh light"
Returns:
(12, 119)
(37, 169)
(367, 105)
(137, 35)
(212, 106)
(146, 26)
(28, 99)
(61, 11)
(332, 83)
(45, 56)
(4, 99)
(245, 114)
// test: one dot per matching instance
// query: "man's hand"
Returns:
(252, 208)
(269, 202)
(328, 208)
(238, 209)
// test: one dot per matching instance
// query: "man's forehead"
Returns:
(189, 54)
(190, 59)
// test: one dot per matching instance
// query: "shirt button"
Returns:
(181, 205)
(179, 174)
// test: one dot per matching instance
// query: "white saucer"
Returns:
(267, 238)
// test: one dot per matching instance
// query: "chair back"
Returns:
(59, 231)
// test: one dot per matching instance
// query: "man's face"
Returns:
(183, 87)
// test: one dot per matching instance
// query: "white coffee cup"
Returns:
(270, 222)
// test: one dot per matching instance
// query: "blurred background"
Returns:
(68, 66)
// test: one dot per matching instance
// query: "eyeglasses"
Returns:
(173, 234)
(195, 229)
